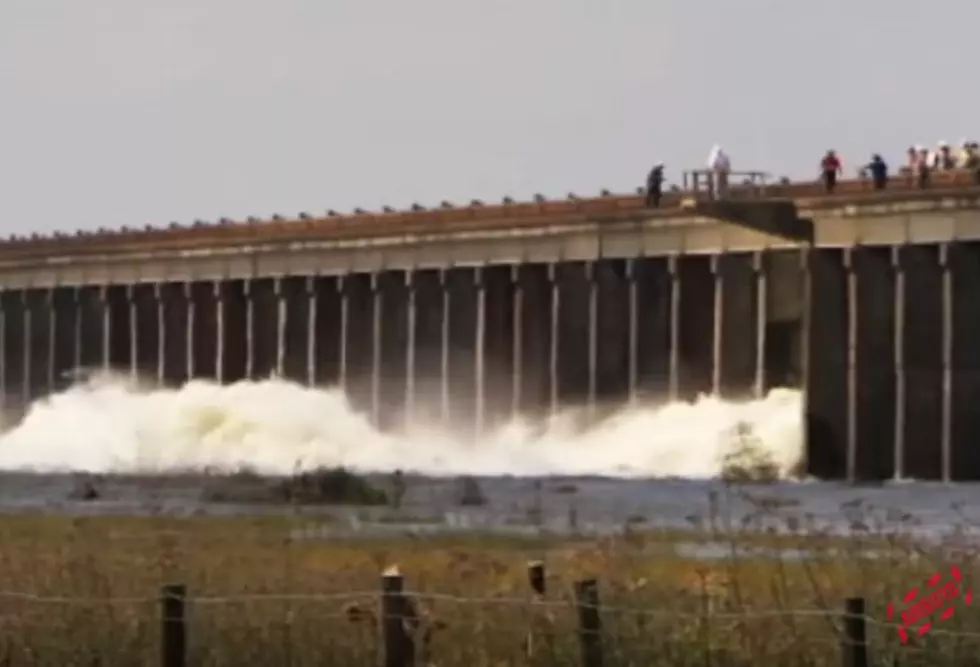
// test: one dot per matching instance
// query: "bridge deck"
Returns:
(477, 216)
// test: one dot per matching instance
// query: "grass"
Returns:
(659, 607)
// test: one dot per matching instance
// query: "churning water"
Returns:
(107, 424)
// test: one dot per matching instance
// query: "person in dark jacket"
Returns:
(655, 185)
(878, 170)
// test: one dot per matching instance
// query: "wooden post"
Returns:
(174, 627)
(539, 638)
(535, 577)
(589, 623)
(399, 649)
(855, 649)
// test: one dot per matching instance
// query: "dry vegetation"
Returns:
(659, 607)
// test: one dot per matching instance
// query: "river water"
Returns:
(164, 451)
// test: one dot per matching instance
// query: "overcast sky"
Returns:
(129, 112)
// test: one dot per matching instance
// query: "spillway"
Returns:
(470, 317)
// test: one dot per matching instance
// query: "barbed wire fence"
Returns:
(401, 631)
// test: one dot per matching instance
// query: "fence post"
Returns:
(174, 626)
(537, 627)
(589, 623)
(399, 649)
(535, 577)
(855, 649)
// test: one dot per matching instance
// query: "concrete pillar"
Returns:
(479, 358)
(575, 363)
(424, 334)
(759, 266)
(461, 284)
(106, 327)
(696, 326)
(444, 348)
(177, 331)
(918, 362)
(952, 258)
(377, 319)
(295, 329)
(361, 339)
(76, 308)
(344, 326)
(134, 340)
(326, 331)
(26, 386)
(739, 345)
(224, 343)
(161, 334)
(901, 288)
(961, 353)
(219, 332)
(268, 324)
(145, 344)
(611, 335)
(410, 351)
(534, 324)
(675, 328)
(717, 325)
(873, 374)
(554, 340)
(189, 331)
(4, 296)
(498, 345)
(249, 329)
(38, 332)
(592, 355)
(852, 365)
(517, 363)
(120, 343)
(633, 341)
(825, 369)
(204, 296)
(391, 319)
(282, 316)
(13, 352)
(311, 329)
(786, 273)
(53, 324)
(653, 287)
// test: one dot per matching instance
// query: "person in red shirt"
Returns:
(831, 169)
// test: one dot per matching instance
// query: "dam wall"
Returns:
(589, 305)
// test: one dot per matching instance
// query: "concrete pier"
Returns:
(874, 315)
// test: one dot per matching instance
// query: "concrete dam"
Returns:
(868, 301)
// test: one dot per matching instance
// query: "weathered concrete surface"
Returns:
(870, 219)
(877, 321)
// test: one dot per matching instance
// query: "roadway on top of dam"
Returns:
(538, 232)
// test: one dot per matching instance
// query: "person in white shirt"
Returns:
(720, 166)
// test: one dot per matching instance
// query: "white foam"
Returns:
(108, 424)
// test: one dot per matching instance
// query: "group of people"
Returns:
(720, 167)
(921, 164)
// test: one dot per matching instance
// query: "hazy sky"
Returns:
(129, 112)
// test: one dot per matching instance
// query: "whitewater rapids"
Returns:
(110, 425)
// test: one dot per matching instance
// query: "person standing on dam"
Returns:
(831, 170)
(878, 169)
(943, 158)
(655, 185)
(720, 167)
